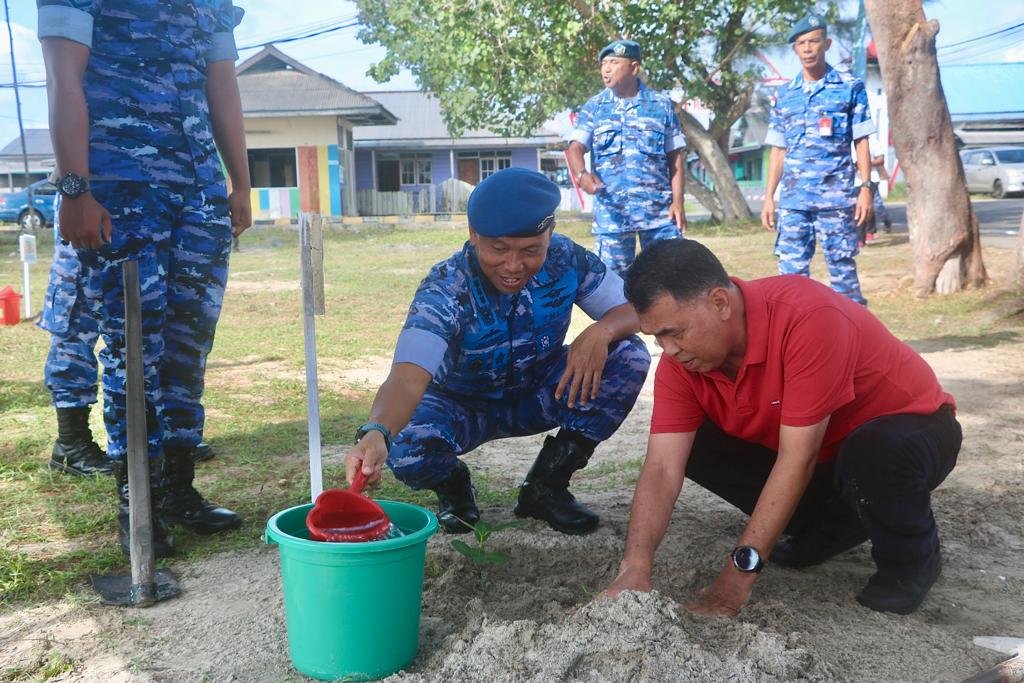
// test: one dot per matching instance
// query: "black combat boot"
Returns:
(456, 501)
(202, 452)
(901, 589)
(75, 452)
(183, 504)
(545, 492)
(163, 541)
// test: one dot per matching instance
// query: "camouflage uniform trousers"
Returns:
(181, 237)
(617, 250)
(881, 213)
(445, 426)
(837, 232)
(71, 365)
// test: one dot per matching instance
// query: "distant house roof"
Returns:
(37, 144)
(420, 124)
(985, 102)
(273, 84)
(976, 92)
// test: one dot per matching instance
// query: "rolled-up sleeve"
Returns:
(674, 138)
(222, 43)
(421, 348)
(583, 133)
(776, 136)
(861, 119)
(601, 290)
(67, 19)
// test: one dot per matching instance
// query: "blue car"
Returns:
(14, 206)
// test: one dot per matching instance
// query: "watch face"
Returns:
(73, 185)
(746, 559)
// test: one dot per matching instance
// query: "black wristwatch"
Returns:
(747, 559)
(375, 427)
(873, 186)
(72, 185)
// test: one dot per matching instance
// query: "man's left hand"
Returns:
(862, 213)
(584, 366)
(240, 208)
(727, 595)
(677, 214)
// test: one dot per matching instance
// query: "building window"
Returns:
(492, 162)
(273, 167)
(416, 169)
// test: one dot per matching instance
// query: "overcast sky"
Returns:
(340, 55)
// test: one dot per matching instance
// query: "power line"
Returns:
(304, 36)
(977, 38)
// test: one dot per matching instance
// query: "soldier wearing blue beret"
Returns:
(636, 152)
(144, 106)
(482, 356)
(815, 119)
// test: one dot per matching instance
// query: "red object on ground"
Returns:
(347, 516)
(10, 307)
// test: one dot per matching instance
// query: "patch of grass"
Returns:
(55, 530)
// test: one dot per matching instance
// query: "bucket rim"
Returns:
(275, 534)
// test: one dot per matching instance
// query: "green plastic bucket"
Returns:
(352, 609)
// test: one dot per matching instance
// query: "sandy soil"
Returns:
(532, 619)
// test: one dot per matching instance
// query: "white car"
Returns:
(997, 170)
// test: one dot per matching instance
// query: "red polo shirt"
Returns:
(810, 353)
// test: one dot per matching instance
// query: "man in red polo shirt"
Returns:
(799, 407)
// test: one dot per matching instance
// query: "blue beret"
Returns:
(812, 22)
(630, 49)
(514, 202)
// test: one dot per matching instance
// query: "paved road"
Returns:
(995, 216)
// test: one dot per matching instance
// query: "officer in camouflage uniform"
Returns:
(814, 121)
(482, 357)
(636, 151)
(138, 93)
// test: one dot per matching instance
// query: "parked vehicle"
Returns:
(997, 170)
(14, 206)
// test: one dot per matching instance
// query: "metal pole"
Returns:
(144, 589)
(311, 251)
(17, 102)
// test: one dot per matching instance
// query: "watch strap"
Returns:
(367, 427)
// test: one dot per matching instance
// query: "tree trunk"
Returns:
(729, 202)
(943, 228)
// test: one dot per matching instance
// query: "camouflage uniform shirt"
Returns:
(145, 84)
(629, 141)
(477, 342)
(816, 124)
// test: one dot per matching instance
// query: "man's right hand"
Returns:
(370, 453)
(768, 214)
(630, 578)
(590, 183)
(84, 222)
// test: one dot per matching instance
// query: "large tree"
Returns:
(510, 66)
(943, 228)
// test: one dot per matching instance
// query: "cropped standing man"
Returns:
(141, 97)
(814, 121)
(636, 151)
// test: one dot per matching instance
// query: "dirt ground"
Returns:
(533, 620)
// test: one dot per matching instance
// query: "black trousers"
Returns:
(881, 479)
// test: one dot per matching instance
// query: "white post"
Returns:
(27, 246)
(311, 250)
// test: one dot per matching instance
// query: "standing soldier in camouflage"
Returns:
(636, 150)
(482, 357)
(814, 121)
(141, 96)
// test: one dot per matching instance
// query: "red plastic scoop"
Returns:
(347, 516)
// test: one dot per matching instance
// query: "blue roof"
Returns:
(983, 91)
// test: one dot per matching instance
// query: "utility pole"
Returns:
(17, 101)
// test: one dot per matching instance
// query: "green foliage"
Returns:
(511, 66)
(479, 555)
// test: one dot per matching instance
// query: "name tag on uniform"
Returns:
(825, 126)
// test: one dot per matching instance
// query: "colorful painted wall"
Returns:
(320, 183)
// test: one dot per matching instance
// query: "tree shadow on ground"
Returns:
(958, 342)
